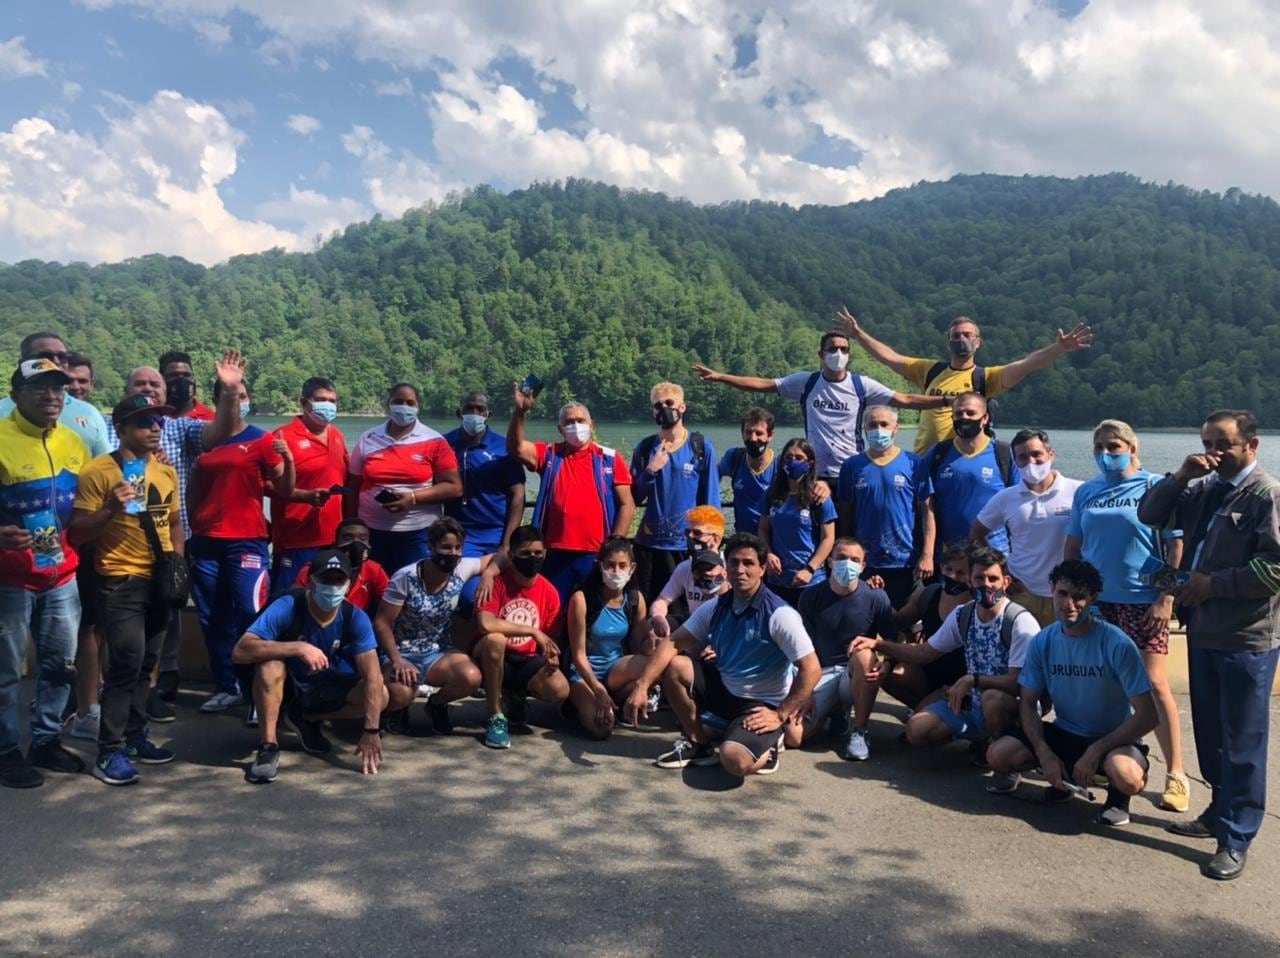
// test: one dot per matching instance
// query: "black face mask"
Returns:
(528, 566)
(954, 586)
(666, 417)
(445, 563)
(179, 390)
(961, 348)
(755, 449)
(356, 552)
(968, 428)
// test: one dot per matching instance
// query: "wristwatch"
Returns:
(373, 731)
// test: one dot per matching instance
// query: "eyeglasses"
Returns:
(59, 358)
(1221, 445)
(55, 387)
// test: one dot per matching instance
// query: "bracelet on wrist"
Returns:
(373, 731)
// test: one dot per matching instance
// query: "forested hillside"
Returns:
(603, 292)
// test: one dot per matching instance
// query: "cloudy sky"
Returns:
(207, 128)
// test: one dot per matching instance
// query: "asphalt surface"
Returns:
(570, 847)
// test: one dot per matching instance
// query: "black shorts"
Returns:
(946, 670)
(324, 692)
(1068, 746)
(87, 585)
(519, 670)
(711, 695)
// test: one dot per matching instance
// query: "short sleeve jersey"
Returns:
(274, 624)
(750, 488)
(794, 533)
(230, 482)
(961, 485)
(425, 617)
(680, 485)
(488, 475)
(935, 424)
(122, 547)
(399, 465)
(574, 518)
(80, 417)
(536, 605)
(1092, 677)
(883, 498)
(319, 462)
(833, 413)
(681, 583)
(833, 620)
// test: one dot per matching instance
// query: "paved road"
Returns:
(567, 847)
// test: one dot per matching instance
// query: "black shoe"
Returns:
(1226, 864)
(1196, 828)
(55, 758)
(16, 772)
(158, 710)
(397, 722)
(440, 720)
(308, 732)
(167, 686)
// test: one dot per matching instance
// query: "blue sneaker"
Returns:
(114, 768)
(496, 734)
(146, 752)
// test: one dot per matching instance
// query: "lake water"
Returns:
(1160, 451)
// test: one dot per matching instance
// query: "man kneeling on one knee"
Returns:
(1102, 700)
(317, 656)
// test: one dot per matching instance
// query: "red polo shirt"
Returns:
(318, 463)
(200, 411)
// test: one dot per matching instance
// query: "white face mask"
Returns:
(616, 580)
(403, 415)
(244, 409)
(473, 423)
(1037, 472)
(836, 361)
(576, 433)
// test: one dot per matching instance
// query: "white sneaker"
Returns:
(220, 702)
(857, 747)
(82, 726)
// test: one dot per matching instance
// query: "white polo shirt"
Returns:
(1037, 524)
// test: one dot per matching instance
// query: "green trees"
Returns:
(604, 291)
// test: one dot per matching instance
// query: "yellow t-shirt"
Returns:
(122, 548)
(935, 424)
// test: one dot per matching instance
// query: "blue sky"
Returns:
(205, 128)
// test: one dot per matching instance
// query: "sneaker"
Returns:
(1055, 796)
(857, 747)
(656, 700)
(1196, 828)
(146, 752)
(496, 734)
(517, 709)
(397, 722)
(1004, 784)
(1112, 816)
(771, 766)
(440, 720)
(1177, 793)
(266, 766)
(52, 756)
(684, 753)
(82, 726)
(158, 710)
(838, 726)
(16, 771)
(167, 686)
(251, 717)
(115, 769)
(220, 701)
(309, 733)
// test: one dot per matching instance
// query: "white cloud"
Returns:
(214, 32)
(400, 87)
(313, 214)
(16, 60)
(149, 184)
(302, 124)
(70, 89)
(396, 180)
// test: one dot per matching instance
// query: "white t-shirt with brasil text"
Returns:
(833, 414)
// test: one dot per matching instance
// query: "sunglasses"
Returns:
(50, 354)
(149, 422)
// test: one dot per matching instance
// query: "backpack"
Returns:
(812, 383)
(1012, 612)
(1004, 458)
(979, 386)
(696, 442)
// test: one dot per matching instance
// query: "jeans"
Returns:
(52, 619)
(229, 583)
(133, 632)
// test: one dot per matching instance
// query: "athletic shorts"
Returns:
(971, 726)
(422, 661)
(519, 670)
(599, 668)
(1068, 746)
(1127, 617)
(711, 695)
(832, 692)
(325, 691)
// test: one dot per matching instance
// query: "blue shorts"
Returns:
(832, 691)
(969, 726)
(324, 692)
(422, 661)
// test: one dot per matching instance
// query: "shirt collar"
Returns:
(25, 425)
(1242, 475)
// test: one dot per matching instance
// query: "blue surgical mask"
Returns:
(473, 424)
(846, 571)
(403, 415)
(324, 410)
(244, 409)
(1113, 463)
(329, 597)
(879, 439)
(796, 468)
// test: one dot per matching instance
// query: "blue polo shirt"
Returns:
(884, 500)
(487, 473)
(794, 533)
(749, 488)
(961, 486)
(678, 487)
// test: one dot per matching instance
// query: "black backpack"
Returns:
(696, 442)
(1004, 459)
(298, 623)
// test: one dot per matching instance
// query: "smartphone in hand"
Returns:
(532, 385)
(385, 496)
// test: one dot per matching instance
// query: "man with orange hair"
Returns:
(674, 471)
(696, 579)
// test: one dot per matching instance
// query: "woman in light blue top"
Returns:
(1104, 530)
(602, 616)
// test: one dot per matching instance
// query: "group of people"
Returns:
(1006, 605)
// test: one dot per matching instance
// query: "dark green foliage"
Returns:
(603, 292)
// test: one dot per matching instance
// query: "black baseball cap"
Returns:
(709, 558)
(331, 560)
(131, 407)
